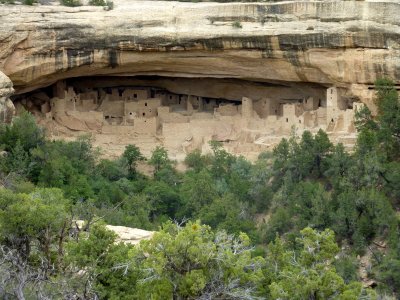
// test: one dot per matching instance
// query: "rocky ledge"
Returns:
(7, 108)
(347, 44)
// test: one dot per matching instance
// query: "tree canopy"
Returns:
(294, 224)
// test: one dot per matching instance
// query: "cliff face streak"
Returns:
(347, 43)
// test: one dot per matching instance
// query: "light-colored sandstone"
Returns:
(293, 64)
(338, 43)
(124, 234)
(130, 235)
(7, 108)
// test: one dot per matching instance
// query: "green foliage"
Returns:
(178, 262)
(302, 159)
(17, 160)
(392, 178)
(310, 203)
(30, 2)
(237, 24)
(110, 5)
(106, 3)
(164, 201)
(279, 223)
(193, 261)
(38, 218)
(304, 204)
(304, 182)
(71, 3)
(388, 103)
(389, 272)
(78, 154)
(7, 1)
(220, 161)
(132, 155)
(347, 267)
(112, 170)
(339, 163)
(309, 273)
(384, 133)
(97, 2)
(197, 190)
(196, 161)
(87, 251)
(260, 193)
(227, 213)
(98, 254)
(159, 159)
(18, 139)
(66, 166)
(239, 179)
(364, 119)
(362, 215)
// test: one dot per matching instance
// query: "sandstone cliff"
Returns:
(343, 43)
(7, 108)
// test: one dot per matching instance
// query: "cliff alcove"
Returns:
(184, 114)
(305, 63)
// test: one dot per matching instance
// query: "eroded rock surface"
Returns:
(285, 57)
(124, 234)
(7, 108)
(341, 43)
(130, 235)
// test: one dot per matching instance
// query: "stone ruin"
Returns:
(184, 122)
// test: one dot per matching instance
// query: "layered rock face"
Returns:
(342, 43)
(7, 108)
(294, 63)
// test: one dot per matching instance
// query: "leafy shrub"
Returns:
(110, 5)
(30, 2)
(389, 273)
(105, 3)
(71, 3)
(347, 268)
(237, 24)
(97, 2)
(23, 130)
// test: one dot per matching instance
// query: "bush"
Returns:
(30, 2)
(71, 3)
(237, 24)
(110, 5)
(24, 131)
(105, 3)
(97, 2)
(347, 268)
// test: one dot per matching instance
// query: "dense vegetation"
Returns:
(289, 226)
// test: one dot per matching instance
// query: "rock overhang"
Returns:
(341, 43)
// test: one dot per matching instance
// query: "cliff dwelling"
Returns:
(184, 114)
(184, 74)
